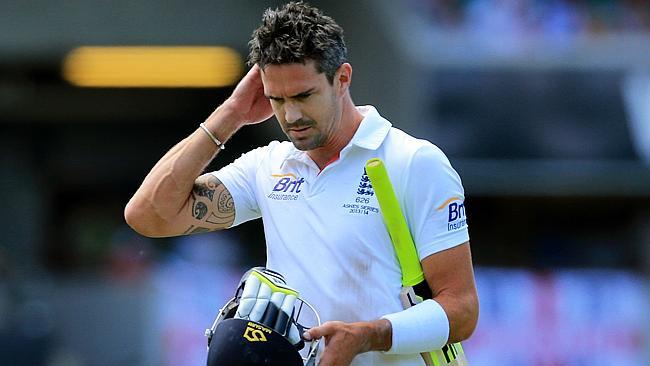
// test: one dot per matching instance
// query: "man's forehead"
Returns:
(290, 78)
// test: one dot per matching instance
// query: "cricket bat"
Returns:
(414, 287)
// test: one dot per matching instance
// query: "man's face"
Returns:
(304, 102)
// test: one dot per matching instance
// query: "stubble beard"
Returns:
(312, 141)
(309, 143)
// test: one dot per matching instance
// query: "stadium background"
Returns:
(542, 106)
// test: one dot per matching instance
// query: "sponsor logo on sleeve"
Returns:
(287, 187)
(455, 208)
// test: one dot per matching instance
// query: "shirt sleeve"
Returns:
(434, 201)
(239, 177)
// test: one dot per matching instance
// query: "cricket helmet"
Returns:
(272, 340)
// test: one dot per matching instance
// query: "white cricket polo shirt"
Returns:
(324, 231)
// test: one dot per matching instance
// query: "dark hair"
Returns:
(297, 33)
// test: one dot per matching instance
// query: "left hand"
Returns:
(343, 341)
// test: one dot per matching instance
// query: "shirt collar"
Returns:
(372, 131)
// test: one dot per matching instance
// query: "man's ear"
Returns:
(343, 78)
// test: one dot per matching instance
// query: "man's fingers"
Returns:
(313, 333)
(253, 72)
(249, 84)
(323, 330)
(339, 348)
(248, 99)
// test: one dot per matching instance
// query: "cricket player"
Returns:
(324, 231)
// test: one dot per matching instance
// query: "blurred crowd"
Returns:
(537, 17)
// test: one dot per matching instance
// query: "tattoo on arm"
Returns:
(199, 210)
(225, 204)
(217, 213)
(206, 189)
(196, 230)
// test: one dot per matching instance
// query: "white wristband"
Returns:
(212, 137)
(421, 328)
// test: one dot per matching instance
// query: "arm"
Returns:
(451, 278)
(173, 198)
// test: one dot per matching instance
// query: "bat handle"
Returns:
(428, 360)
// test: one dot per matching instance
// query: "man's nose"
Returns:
(292, 113)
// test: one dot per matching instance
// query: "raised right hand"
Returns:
(166, 204)
(248, 101)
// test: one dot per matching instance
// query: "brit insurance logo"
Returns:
(455, 207)
(362, 202)
(287, 187)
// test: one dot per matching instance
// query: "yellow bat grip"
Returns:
(395, 223)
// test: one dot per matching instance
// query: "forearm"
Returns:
(431, 324)
(167, 188)
(462, 312)
(450, 277)
(343, 341)
(379, 335)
